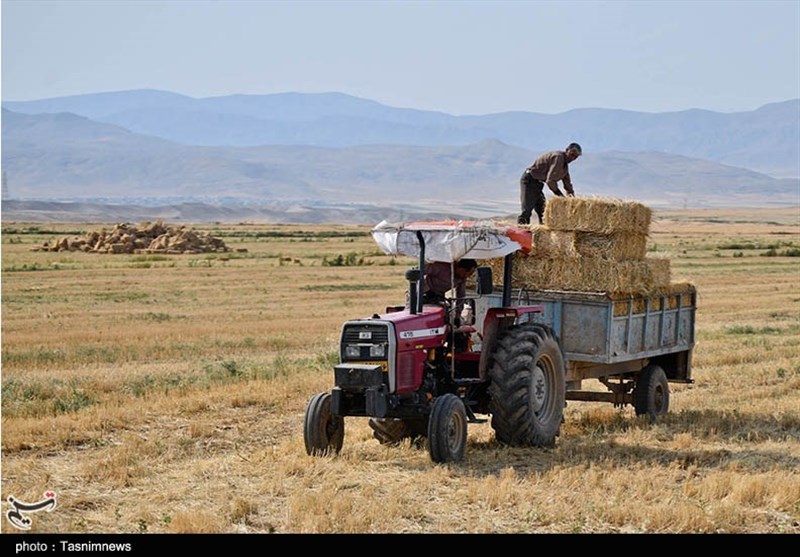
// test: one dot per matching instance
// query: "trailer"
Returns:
(633, 345)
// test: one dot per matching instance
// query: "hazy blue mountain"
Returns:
(766, 140)
(69, 157)
(99, 105)
(279, 106)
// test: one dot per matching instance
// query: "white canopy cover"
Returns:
(452, 240)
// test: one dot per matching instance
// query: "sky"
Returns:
(454, 56)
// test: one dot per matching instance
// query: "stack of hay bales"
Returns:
(592, 245)
(148, 237)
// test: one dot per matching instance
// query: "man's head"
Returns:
(465, 267)
(573, 151)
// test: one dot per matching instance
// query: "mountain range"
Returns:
(321, 151)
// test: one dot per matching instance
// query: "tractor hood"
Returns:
(452, 240)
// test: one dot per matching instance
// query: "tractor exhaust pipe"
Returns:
(421, 277)
(412, 276)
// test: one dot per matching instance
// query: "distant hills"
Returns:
(320, 151)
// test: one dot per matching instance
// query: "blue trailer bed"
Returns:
(613, 338)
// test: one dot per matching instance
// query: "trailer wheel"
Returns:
(392, 431)
(651, 393)
(322, 431)
(447, 429)
(528, 388)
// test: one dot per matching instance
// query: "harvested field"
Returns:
(165, 393)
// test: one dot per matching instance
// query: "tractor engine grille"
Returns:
(365, 342)
(366, 334)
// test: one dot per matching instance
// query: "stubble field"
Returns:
(165, 393)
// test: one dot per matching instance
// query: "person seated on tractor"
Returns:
(441, 277)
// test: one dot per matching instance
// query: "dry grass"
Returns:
(166, 394)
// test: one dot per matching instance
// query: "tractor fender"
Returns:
(496, 321)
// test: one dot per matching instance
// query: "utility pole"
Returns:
(4, 193)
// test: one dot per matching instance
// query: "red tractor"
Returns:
(417, 372)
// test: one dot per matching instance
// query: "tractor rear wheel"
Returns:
(651, 393)
(322, 431)
(447, 429)
(528, 389)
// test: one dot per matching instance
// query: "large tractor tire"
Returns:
(447, 429)
(323, 432)
(528, 386)
(651, 393)
(392, 431)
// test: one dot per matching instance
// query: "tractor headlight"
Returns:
(352, 351)
(377, 351)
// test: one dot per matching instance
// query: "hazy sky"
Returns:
(460, 57)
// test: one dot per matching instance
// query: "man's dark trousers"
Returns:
(531, 197)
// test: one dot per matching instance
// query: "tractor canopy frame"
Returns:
(450, 241)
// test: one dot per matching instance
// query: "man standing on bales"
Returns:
(549, 168)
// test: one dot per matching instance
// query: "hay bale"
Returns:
(596, 214)
(620, 245)
(565, 243)
(594, 245)
(587, 274)
(551, 243)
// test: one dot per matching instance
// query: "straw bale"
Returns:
(620, 245)
(551, 243)
(587, 274)
(597, 214)
(559, 243)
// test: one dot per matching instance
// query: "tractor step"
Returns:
(469, 381)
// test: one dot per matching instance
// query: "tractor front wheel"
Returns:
(322, 431)
(447, 429)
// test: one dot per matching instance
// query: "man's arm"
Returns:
(554, 187)
(568, 185)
